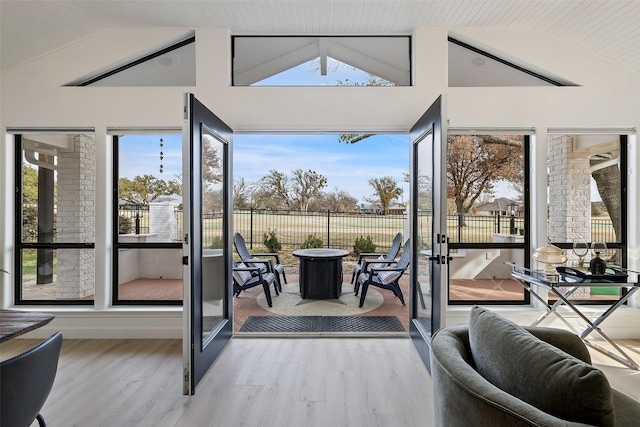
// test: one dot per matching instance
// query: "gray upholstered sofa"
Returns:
(496, 373)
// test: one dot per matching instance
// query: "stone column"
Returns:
(569, 193)
(75, 221)
(569, 197)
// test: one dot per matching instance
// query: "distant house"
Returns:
(396, 209)
(500, 206)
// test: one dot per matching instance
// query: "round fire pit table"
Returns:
(320, 273)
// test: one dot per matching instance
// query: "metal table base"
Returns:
(527, 278)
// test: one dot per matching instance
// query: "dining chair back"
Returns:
(26, 381)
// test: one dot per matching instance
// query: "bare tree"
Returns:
(337, 201)
(242, 193)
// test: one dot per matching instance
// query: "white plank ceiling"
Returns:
(610, 29)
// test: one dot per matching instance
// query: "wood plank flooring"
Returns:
(255, 382)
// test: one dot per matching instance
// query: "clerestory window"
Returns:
(321, 61)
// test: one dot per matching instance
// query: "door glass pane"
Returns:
(424, 232)
(213, 226)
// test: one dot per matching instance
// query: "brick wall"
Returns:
(76, 219)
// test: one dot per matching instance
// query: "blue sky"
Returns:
(348, 167)
(308, 74)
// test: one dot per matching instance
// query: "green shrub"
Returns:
(29, 223)
(217, 243)
(364, 244)
(270, 241)
(124, 225)
(312, 241)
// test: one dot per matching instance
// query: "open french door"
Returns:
(428, 226)
(207, 257)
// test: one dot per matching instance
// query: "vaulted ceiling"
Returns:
(609, 29)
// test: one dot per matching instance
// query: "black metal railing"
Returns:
(341, 229)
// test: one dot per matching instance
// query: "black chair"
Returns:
(249, 259)
(389, 256)
(245, 277)
(26, 381)
(384, 277)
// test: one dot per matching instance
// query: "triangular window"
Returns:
(171, 66)
(473, 67)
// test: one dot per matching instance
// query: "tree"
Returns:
(147, 188)
(386, 191)
(29, 184)
(337, 201)
(476, 163)
(608, 183)
(296, 192)
(241, 194)
(211, 163)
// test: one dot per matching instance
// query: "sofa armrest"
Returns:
(459, 390)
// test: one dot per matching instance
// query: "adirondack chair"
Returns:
(249, 259)
(393, 252)
(384, 277)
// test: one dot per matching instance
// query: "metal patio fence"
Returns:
(340, 229)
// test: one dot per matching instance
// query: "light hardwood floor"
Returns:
(256, 382)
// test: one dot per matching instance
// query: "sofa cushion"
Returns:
(537, 372)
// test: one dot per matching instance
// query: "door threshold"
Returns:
(321, 335)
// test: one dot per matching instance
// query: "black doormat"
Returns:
(322, 324)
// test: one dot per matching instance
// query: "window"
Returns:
(487, 213)
(587, 201)
(174, 65)
(321, 61)
(147, 219)
(55, 210)
(470, 66)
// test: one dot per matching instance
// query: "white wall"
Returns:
(33, 95)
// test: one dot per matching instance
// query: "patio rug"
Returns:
(322, 324)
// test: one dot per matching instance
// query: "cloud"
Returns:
(349, 167)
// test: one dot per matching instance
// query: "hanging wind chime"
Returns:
(161, 155)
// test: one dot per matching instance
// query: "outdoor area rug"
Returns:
(289, 302)
(279, 324)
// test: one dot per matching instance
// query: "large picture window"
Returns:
(587, 202)
(147, 264)
(487, 216)
(55, 211)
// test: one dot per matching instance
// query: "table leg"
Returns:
(621, 356)
(550, 308)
